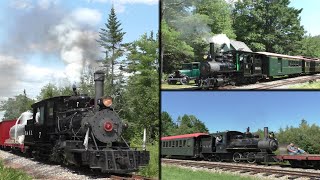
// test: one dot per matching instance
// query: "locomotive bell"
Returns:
(99, 84)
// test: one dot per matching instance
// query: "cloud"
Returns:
(86, 16)
(21, 4)
(46, 4)
(10, 70)
(149, 2)
(119, 5)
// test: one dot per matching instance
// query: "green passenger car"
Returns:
(182, 145)
(280, 65)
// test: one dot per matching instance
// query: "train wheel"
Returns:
(217, 158)
(236, 157)
(251, 157)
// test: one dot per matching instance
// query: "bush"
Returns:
(152, 170)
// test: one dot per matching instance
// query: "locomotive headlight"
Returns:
(108, 126)
(107, 101)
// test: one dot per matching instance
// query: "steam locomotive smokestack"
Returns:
(212, 54)
(99, 85)
(266, 132)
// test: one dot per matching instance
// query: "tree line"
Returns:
(264, 25)
(136, 98)
(186, 124)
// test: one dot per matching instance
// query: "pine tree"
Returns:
(110, 39)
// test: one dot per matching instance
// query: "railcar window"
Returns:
(195, 66)
(177, 143)
(184, 143)
(180, 143)
(188, 143)
(169, 143)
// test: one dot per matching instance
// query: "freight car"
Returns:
(301, 161)
(6, 142)
(224, 146)
(81, 131)
(239, 67)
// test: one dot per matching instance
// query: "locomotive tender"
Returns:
(224, 146)
(78, 130)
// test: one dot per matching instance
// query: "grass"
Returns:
(12, 174)
(152, 170)
(165, 85)
(169, 172)
(307, 85)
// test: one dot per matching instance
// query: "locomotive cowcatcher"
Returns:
(78, 130)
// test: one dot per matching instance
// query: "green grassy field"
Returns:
(165, 85)
(12, 174)
(175, 173)
(307, 85)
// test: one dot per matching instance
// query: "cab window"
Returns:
(42, 115)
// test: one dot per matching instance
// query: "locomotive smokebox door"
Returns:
(106, 126)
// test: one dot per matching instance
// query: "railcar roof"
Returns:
(280, 55)
(184, 136)
(49, 99)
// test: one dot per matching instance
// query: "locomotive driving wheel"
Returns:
(236, 157)
(251, 157)
(217, 158)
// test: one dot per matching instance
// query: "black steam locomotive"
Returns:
(223, 146)
(78, 130)
(232, 67)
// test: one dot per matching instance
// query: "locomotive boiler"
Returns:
(82, 131)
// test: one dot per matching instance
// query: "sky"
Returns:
(309, 15)
(237, 110)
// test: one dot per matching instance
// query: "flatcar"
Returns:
(81, 131)
(224, 146)
(301, 160)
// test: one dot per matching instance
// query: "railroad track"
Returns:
(252, 170)
(287, 82)
(133, 177)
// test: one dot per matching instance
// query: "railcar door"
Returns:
(279, 65)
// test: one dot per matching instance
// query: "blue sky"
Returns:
(310, 15)
(236, 110)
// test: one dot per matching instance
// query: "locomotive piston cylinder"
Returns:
(99, 85)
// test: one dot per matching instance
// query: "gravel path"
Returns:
(39, 170)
